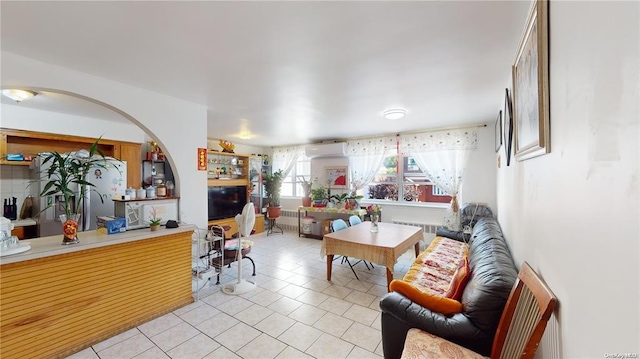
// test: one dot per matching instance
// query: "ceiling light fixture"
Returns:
(18, 95)
(394, 114)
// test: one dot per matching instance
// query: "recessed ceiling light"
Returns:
(18, 95)
(394, 114)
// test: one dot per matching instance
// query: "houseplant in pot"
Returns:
(272, 186)
(66, 175)
(319, 195)
(306, 191)
(154, 220)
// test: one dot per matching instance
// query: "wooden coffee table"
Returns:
(383, 248)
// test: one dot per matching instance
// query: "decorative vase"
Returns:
(306, 201)
(374, 223)
(70, 228)
(155, 227)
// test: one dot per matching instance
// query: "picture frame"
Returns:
(508, 126)
(530, 76)
(336, 177)
(498, 131)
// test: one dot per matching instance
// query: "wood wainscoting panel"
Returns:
(58, 305)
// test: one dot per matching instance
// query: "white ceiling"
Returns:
(286, 72)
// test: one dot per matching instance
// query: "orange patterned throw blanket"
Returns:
(437, 277)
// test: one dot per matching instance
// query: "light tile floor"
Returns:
(294, 312)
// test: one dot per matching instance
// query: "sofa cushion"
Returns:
(431, 274)
(421, 344)
(459, 281)
(436, 303)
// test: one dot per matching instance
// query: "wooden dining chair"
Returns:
(520, 330)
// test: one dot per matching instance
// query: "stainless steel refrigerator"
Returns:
(109, 182)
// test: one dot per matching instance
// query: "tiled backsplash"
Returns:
(16, 181)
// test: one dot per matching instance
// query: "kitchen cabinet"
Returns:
(132, 154)
(57, 300)
(30, 143)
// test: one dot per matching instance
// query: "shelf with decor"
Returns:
(227, 169)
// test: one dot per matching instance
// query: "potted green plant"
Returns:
(272, 186)
(319, 195)
(353, 200)
(154, 220)
(66, 174)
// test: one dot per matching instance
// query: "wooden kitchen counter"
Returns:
(56, 300)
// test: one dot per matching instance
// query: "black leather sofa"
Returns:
(493, 274)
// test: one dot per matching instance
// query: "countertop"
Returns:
(24, 222)
(50, 246)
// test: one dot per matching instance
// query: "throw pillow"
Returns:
(459, 281)
(435, 303)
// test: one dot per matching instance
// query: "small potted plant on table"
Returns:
(306, 189)
(154, 220)
(319, 195)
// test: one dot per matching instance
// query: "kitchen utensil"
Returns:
(151, 192)
(131, 193)
(141, 193)
(27, 208)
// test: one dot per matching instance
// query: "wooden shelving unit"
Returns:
(230, 169)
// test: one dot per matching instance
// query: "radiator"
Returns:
(427, 228)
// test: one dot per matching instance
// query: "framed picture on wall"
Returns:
(531, 86)
(336, 177)
(498, 131)
(508, 126)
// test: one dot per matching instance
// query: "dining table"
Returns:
(383, 247)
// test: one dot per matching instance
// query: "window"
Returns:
(291, 186)
(400, 179)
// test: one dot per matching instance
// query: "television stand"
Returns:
(231, 223)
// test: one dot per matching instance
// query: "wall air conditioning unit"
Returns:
(334, 149)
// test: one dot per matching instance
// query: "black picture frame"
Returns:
(498, 131)
(508, 126)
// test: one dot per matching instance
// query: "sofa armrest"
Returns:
(399, 314)
(459, 236)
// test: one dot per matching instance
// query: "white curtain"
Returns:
(443, 155)
(365, 158)
(284, 158)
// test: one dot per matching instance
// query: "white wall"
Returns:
(573, 213)
(158, 115)
(24, 118)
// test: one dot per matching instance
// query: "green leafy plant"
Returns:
(337, 198)
(68, 170)
(154, 220)
(273, 185)
(319, 194)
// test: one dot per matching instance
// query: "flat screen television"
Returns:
(226, 202)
